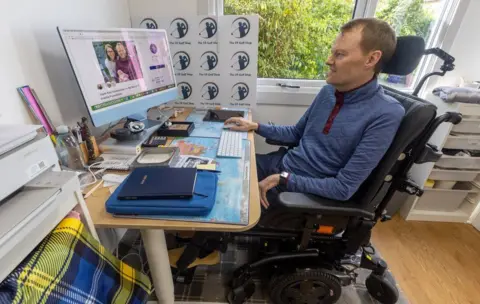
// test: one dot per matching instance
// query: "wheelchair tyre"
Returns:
(305, 286)
(382, 288)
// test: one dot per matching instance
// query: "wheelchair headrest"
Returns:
(407, 56)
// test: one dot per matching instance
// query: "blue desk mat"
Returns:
(232, 202)
(208, 128)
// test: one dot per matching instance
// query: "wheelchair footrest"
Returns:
(242, 286)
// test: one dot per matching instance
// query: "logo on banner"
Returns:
(178, 28)
(153, 48)
(209, 91)
(209, 60)
(185, 90)
(207, 27)
(181, 60)
(240, 61)
(240, 27)
(240, 91)
(149, 23)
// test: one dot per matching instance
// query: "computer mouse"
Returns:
(228, 126)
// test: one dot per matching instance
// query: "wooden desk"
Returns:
(153, 230)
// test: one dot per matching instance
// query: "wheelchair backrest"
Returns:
(419, 114)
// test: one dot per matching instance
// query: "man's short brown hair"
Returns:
(376, 35)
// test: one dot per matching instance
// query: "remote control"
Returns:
(156, 141)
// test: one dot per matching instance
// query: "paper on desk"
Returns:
(109, 184)
(11, 132)
(11, 136)
(113, 188)
(207, 166)
(190, 161)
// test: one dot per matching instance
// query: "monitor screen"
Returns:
(120, 72)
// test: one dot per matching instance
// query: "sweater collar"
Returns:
(360, 93)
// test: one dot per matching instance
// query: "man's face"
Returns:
(347, 61)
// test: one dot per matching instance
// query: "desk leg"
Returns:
(157, 255)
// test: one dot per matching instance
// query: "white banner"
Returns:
(215, 58)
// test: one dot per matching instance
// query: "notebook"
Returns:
(159, 183)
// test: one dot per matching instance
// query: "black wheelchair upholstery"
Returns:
(307, 238)
(418, 115)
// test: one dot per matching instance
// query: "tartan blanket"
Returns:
(70, 266)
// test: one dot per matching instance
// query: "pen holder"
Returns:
(83, 148)
(68, 151)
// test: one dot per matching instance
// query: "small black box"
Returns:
(177, 129)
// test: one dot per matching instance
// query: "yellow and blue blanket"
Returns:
(70, 266)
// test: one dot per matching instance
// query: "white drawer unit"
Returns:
(458, 162)
(463, 142)
(467, 126)
(445, 199)
(453, 175)
(455, 195)
(469, 110)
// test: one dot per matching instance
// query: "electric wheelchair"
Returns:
(308, 246)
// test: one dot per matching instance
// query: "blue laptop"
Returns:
(153, 183)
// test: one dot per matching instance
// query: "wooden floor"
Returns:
(432, 262)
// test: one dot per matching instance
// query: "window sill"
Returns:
(303, 96)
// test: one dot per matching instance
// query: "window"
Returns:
(409, 17)
(295, 35)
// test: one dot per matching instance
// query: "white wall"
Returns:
(32, 53)
(11, 77)
(144, 8)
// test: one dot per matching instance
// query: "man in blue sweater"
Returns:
(347, 129)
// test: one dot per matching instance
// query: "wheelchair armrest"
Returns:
(279, 143)
(316, 204)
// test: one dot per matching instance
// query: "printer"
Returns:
(25, 152)
(35, 195)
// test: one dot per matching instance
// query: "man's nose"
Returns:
(329, 60)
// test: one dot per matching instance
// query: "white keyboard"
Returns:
(230, 144)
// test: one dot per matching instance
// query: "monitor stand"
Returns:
(153, 121)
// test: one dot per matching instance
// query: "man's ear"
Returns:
(373, 58)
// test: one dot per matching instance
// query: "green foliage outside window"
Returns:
(407, 17)
(295, 36)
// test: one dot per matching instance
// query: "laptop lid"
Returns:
(158, 183)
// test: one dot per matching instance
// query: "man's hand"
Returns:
(265, 185)
(241, 124)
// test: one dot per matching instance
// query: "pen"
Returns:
(93, 189)
(205, 170)
(199, 194)
(79, 134)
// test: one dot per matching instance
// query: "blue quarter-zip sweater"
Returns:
(341, 138)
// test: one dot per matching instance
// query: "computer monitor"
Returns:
(120, 72)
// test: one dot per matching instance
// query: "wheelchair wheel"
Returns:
(305, 287)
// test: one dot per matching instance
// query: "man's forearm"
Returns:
(329, 187)
(288, 134)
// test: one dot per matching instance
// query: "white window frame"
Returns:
(268, 91)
